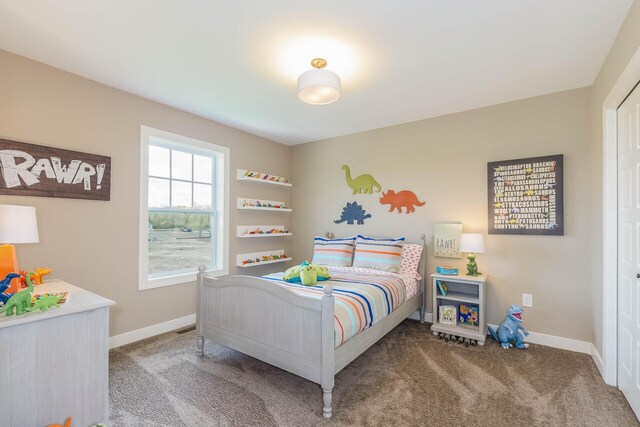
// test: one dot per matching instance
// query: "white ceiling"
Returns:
(237, 62)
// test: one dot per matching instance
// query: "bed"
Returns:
(311, 332)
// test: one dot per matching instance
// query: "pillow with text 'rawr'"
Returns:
(338, 252)
(381, 254)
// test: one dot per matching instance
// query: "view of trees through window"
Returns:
(180, 210)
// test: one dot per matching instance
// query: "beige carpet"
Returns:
(409, 378)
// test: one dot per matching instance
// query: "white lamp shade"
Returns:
(472, 243)
(18, 224)
(319, 87)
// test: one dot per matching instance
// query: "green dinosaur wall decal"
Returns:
(361, 184)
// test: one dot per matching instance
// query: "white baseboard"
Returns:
(534, 337)
(597, 359)
(558, 342)
(150, 331)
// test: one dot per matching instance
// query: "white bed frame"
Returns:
(291, 331)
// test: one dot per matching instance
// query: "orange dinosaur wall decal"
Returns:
(404, 198)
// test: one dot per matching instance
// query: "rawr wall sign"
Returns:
(525, 196)
(36, 170)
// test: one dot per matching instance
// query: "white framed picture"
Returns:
(446, 240)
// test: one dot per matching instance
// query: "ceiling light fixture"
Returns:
(319, 86)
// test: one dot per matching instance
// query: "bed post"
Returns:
(200, 337)
(328, 349)
(423, 273)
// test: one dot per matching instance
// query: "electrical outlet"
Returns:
(527, 300)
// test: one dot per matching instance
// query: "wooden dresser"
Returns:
(54, 363)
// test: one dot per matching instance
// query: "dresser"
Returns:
(54, 363)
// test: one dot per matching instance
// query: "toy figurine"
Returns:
(36, 276)
(472, 267)
(67, 423)
(308, 276)
(45, 302)
(292, 275)
(5, 284)
(508, 329)
(20, 302)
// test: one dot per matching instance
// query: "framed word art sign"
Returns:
(446, 240)
(526, 196)
(36, 170)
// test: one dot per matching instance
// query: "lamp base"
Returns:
(9, 264)
(472, 267)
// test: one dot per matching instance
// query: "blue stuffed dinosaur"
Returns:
(508, 329)
(4, 285)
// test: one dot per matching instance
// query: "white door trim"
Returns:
(628, 79)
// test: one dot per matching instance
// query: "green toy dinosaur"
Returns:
(308, 276)
(20, 302)
(361, 184)
(46, 302)
(292, 275)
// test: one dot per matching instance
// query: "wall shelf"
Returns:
(244, 231)
(261, 205)
(240, 176)
(259, 255)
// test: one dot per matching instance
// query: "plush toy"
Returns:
(308, 276)
(508, 329)
(292, 275)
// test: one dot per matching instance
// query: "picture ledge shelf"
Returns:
(258, 255)
(255, 264)
(251, 236)
(241, 176)
(251, 231)
(255, 208)
(265, 205)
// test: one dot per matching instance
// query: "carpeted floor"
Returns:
(409, 378)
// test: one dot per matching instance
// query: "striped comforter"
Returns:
(363, 297)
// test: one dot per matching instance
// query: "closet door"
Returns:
(628, 254)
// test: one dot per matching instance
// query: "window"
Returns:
(183, 208)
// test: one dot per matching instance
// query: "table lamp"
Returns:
(472, 244)
(18, 224)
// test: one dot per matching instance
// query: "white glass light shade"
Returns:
(472, 243)
(319, 87)
(18, 224)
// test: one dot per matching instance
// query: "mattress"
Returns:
(363, 296)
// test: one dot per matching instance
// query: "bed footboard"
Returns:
(272, 324)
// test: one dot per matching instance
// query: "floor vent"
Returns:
(185, 330)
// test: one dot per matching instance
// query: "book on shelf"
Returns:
(447, 314)
(443, 287)
(468, 314)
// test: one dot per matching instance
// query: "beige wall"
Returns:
(95, 244)
(626, 44)
(444, 161)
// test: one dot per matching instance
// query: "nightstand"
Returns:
(461, 290)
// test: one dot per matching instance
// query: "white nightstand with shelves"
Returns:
(461, 290)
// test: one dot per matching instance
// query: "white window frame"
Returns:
(221, 212)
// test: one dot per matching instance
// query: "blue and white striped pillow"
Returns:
(338, 252)
(380, 254)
